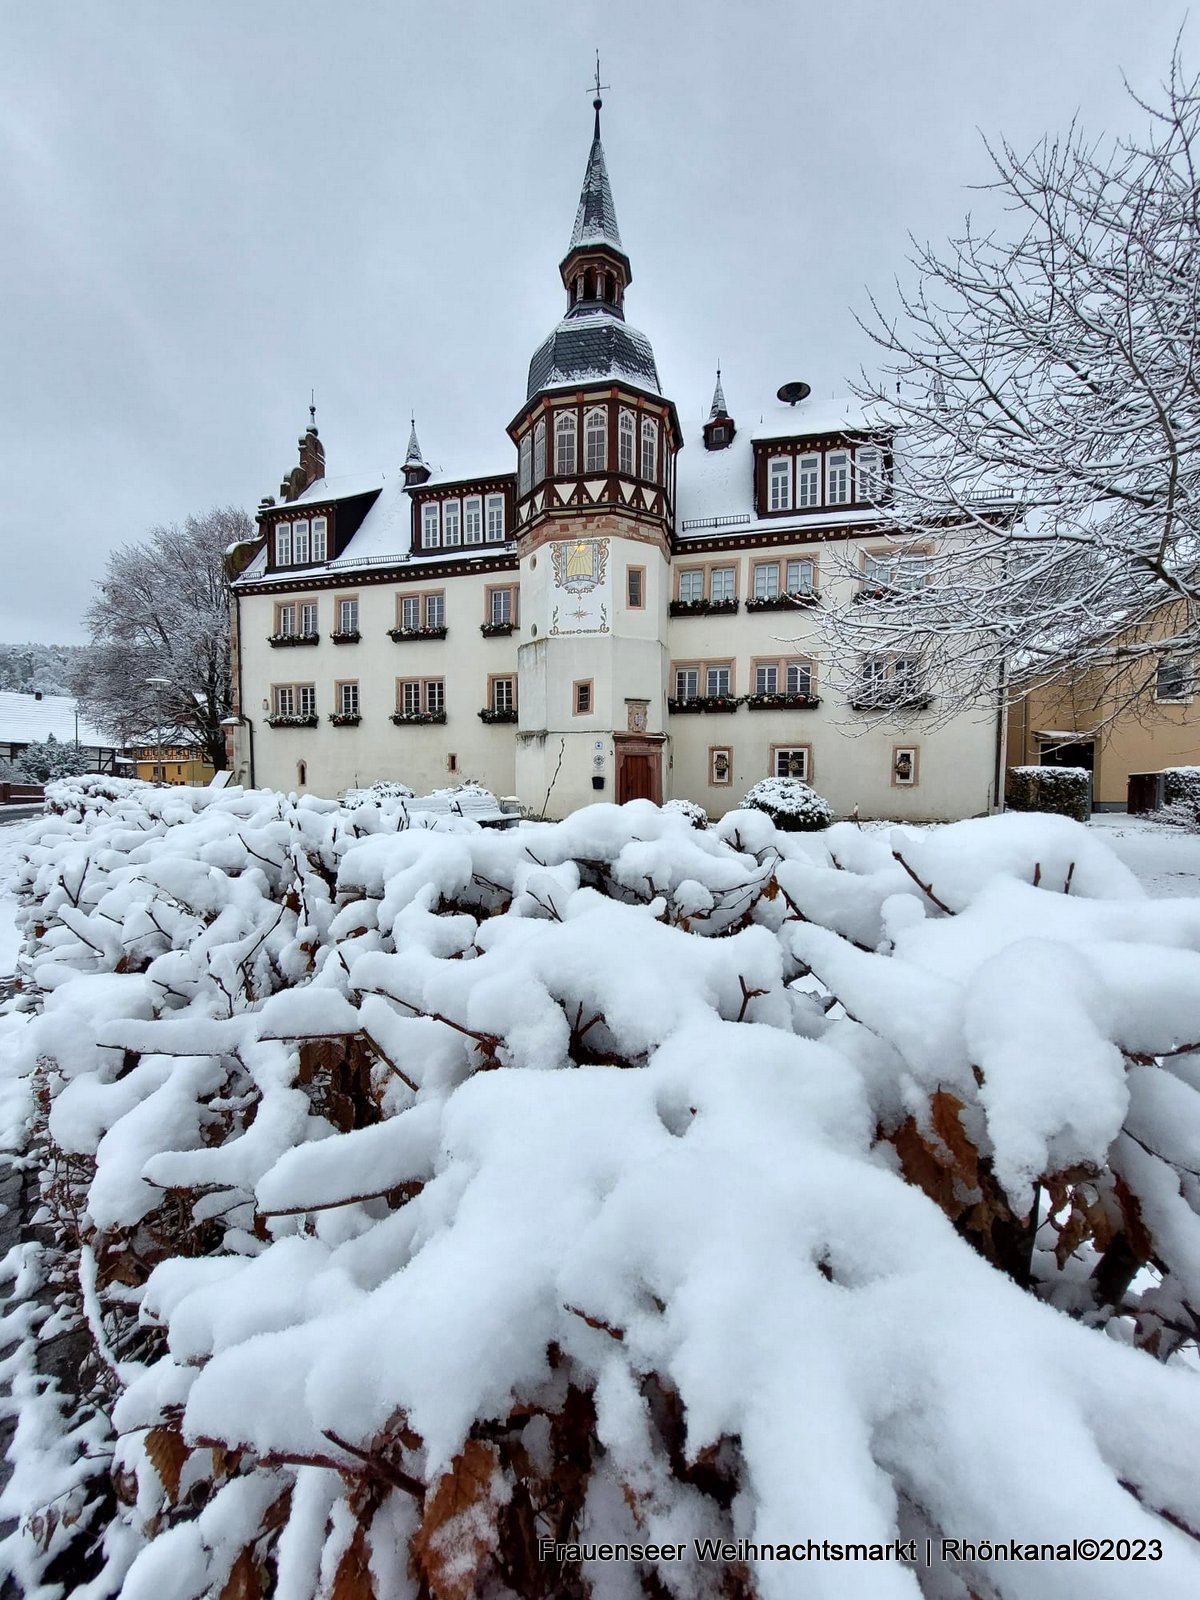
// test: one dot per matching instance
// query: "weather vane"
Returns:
(597, 87)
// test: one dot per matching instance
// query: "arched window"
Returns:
(526, 462)
(649, 448)
(625, 435)
(566, 450)
(301, 773)
(539, 450)
(595, 441)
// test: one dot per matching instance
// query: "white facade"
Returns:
(657, 631)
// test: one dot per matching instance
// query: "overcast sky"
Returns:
(208, 209)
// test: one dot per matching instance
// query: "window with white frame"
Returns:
(525, 458)
(808, 481)
(717, 678)
(906, 675)
(797, 677)
(539, 450)
(766, 580)
(874, 673)
(417, 696)
(410, 612)
(905, 765)
(595, 441)
(766, 678)
(306, 699)
(501, 607)
(408, 700)
(1173, 679)
(347, 616)
(687, 683)
(431, 528)
(649, 449)
(868, 470)
(435, 611)
(300, 542)
(691, 584)
(722, 583)
(435, 696)
(285, 700)
(504, 694)
(473, 519)
(347, 701)
(625, 440)
(283, 544)
(837, 477)
(800, 575)
(320, 538)
(285, 620)
(779, 483)
(451, 522)
(308, 617)
(566, 447)
(894, 571)
(495, 516)
(791, 761)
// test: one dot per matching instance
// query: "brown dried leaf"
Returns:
(945, 1109)
(353, 1578)
(460, 1529)
(167, 1453)
(245, 1579)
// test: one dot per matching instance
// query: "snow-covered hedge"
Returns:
(1181, 792)
(1063, 791)
(790, 804)
(427, 1193)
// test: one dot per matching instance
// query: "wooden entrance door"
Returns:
(639, 771)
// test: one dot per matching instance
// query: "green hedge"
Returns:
(1181, 787)
(1066, 791)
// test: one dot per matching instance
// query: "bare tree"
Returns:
(159, 656)
(1044, 384)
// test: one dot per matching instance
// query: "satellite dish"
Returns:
(792, 392)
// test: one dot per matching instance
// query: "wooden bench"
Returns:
(477, 808)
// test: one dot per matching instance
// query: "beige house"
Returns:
(627, 608)
(1117, 721)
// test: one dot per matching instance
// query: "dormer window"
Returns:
(300, 542)
(868, 468)
(431, 534)
(837, 477)
(595, 441)
(320, 538)
(779, 478)
(717, 436)
(450, 522)
(495, 516)
(283, 544)
(808, 481)
(473, 520)
(566, 450)
(649, 449)
(526, 463)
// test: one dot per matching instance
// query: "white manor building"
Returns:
(620, 617)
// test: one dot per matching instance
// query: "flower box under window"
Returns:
(509, 714)
(782, 702)
(886, 593)
(402, 717)
(784, 602)
(277, 639)
(345, 719)
(399, 635)
(350, 636)
(703, 608)
(705, 702)
(293, 720)
(497, 630)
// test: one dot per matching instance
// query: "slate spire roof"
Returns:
(718, 404)
(413, 456)
(596, 218)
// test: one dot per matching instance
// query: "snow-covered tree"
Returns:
(1045, 377)
(40, 763)
(28, 668)
(163, 613)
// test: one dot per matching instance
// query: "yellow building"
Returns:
(1131, 715)
(172, 764)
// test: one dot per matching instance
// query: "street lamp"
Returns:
(160, 684)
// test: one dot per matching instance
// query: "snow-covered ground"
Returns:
(12, 836)
(1166, 860)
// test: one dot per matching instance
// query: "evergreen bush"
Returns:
(1066, 791)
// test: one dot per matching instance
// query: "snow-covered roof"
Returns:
(847, 414)
(28, 719)
(592, 345)
(333, 489)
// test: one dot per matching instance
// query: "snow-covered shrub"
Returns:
(1063, 791)
(695, 814)
(422, 1194)
(42, 762)
(1181, 795)
(790, 804)
(354, 798)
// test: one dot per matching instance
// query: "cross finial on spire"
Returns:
(596, 88)
(312, 410)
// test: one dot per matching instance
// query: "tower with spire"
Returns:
(720, 427)
(596, 443)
